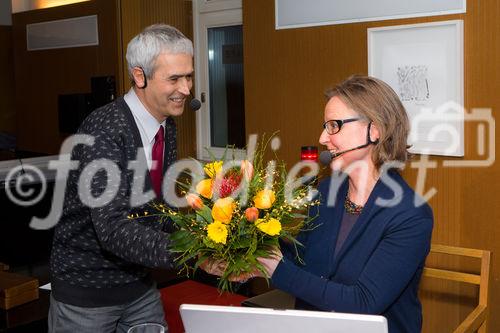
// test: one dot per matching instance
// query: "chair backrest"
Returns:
(476, 320)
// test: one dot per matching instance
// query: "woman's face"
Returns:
(352, 134)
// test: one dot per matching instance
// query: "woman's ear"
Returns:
(374, 133)
(139, 77)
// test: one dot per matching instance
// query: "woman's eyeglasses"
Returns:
(333, 126)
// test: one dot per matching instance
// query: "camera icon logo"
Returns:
(441, 132)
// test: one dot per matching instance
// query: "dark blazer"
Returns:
(378, 268)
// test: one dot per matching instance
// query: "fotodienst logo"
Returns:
(443, 127)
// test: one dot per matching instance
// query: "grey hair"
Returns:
(144, 48)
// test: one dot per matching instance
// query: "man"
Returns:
(100, 280)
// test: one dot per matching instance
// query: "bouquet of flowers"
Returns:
(237, 213)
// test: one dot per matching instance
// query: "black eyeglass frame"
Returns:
(340, 123)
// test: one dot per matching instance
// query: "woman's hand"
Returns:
(271, 262)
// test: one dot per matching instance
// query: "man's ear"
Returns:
(139, 77)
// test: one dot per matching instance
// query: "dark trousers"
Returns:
(65, 318)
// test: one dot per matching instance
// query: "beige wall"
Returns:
(286, 73)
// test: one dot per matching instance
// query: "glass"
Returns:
(333, 126)
(147, 328)
(225, 72)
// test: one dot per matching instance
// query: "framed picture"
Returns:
(423, 63)
(291, 14)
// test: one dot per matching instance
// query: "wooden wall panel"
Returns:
(286, 73)
(480, 226)
(7, 114)
(135, 16)
(42, 75)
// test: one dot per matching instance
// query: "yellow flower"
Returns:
(213, 169)
(264, 199)
(223, 209)
(217, 232)
(271, 227)
(204, 188)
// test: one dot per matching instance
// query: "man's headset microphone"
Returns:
(194, 104)
(328, 155)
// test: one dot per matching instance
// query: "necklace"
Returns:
(350, 207)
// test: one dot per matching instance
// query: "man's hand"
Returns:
(218, 267)
(214, 267)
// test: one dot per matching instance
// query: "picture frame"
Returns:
(290, 14)
(424, 64)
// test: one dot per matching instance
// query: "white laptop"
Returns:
(229, 319)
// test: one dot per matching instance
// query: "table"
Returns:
(192, 292)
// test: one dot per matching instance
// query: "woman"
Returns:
(373, 233)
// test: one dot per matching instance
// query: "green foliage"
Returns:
(245, 241)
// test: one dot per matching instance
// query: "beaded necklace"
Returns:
(350, 207)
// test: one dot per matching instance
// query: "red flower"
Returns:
(226, 185)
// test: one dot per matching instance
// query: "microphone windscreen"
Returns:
(325, 157)
(195, 104)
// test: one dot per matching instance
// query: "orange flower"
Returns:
(194, 201)
(252, 214)
(264, 199)
(223, 210)
(204, 188)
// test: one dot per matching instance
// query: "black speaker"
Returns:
(73, 109)
(103, 90)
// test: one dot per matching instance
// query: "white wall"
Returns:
(5, 12)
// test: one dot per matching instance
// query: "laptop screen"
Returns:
(227, 319)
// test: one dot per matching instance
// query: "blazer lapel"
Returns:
(148, 185)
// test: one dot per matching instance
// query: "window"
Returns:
(219, 76)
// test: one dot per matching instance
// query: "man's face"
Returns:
(167, 90)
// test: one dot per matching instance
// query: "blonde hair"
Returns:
(375, 101)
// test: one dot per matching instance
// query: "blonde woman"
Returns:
(373, 232)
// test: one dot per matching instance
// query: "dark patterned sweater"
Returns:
(99, 256)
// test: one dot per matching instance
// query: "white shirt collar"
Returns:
(149, 123)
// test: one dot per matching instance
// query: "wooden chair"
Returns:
(476, 320)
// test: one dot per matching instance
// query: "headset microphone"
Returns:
(195, 103)
(327, 156)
